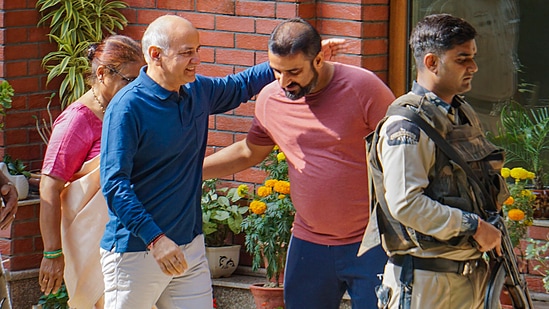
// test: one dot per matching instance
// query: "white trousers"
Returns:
(134, 280)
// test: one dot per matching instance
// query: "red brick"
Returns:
(265, 26)
(207, 54)
(15, 35)
(229, 123)
(20, 119)
(350, 59)
(26, 152)
(231, 56)
(375, 47)
(251, 41)
(25, 262)
(19, 68)
(261, 57)
(246, 109)
(38, 244)
(216, 6)
(22, 229)
(175, 5)
(9, 5)
(200, 20)
(535, 284)
(286, 10)
(308, 11)
(22, 246)
(375, 63)
(339, 11)
(17, 137)
(142, 4)
(20, 51)
(337, 27)
(234, 23)
(255, 8)
(148, 16)
(375, 13)
(215, 38)
(27, 212)
(7, 232)
(375, 30)
(21, 18)
(5, 247)
(538, 232)
(215, 70)
(223, 139)
(251, 175)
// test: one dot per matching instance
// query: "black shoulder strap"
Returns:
(444, 146)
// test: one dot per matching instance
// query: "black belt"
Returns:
(437, 264)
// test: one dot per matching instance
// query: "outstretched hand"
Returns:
(334, 47)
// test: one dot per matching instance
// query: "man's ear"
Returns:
(431, 61)
(318, 62)
(154, 52)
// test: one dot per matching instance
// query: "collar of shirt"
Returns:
(433, 98)
(159, 91)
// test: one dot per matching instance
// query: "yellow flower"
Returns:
(505, 172)
(519, 173)
(264, 191)
(242, 190)
(509, 201)
(281, 196)
(281, 156)
(270, 183)
(531, 175)
(282, 186)
(516, 214)
(258, 207)
(275, 148)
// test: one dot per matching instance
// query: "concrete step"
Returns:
(234, 292)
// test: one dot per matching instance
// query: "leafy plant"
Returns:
(74, 24)
(6, 93)
(55, 301)
(538, 250)
(16, 167)
(271, 215)
(524, 134)
(518, 208)
(221, 212)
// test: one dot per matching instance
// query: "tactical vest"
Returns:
(448, 183)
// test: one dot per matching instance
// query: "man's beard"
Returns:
(305, 90)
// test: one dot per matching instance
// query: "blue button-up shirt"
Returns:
(153, 146)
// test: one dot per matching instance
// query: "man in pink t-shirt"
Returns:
(318, 113)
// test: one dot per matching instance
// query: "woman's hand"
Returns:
(51, 274)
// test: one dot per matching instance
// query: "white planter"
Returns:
(223, 261)
(19, 181)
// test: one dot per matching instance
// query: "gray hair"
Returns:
(155, 35)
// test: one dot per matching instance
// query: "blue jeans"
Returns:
(317, 276)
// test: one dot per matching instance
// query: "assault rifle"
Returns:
(505, 272)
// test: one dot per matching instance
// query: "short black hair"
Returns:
(438, 33)
(293, 36)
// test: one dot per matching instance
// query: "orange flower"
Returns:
(270, 183)
(282, 186)
(516, 214)
(264, 191)
(258, 207)
(509, 201)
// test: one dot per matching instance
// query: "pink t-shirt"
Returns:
(322, 136)
(75, 139)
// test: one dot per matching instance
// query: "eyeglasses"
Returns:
(125, 78)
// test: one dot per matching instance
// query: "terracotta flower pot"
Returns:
(267, 298)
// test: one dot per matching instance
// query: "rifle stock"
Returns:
(505, 272)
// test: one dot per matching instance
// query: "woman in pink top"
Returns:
(70, 178)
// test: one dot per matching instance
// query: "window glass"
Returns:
(512, 53)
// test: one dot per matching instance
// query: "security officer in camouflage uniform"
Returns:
(427, 212)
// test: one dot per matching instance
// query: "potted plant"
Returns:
(268, 226)
(221, 216)
(17, 173)
(6, 93)
(524, 134)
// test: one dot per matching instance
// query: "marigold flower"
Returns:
(258, 207)
(531, 175)
(242, 190)
(509, 201)
(282, 186)
(264, 191)
(516, 214)
(519, 173)
(270, 183)
(505, 172)
(275, 148)
(281, 156)
(281, 196)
